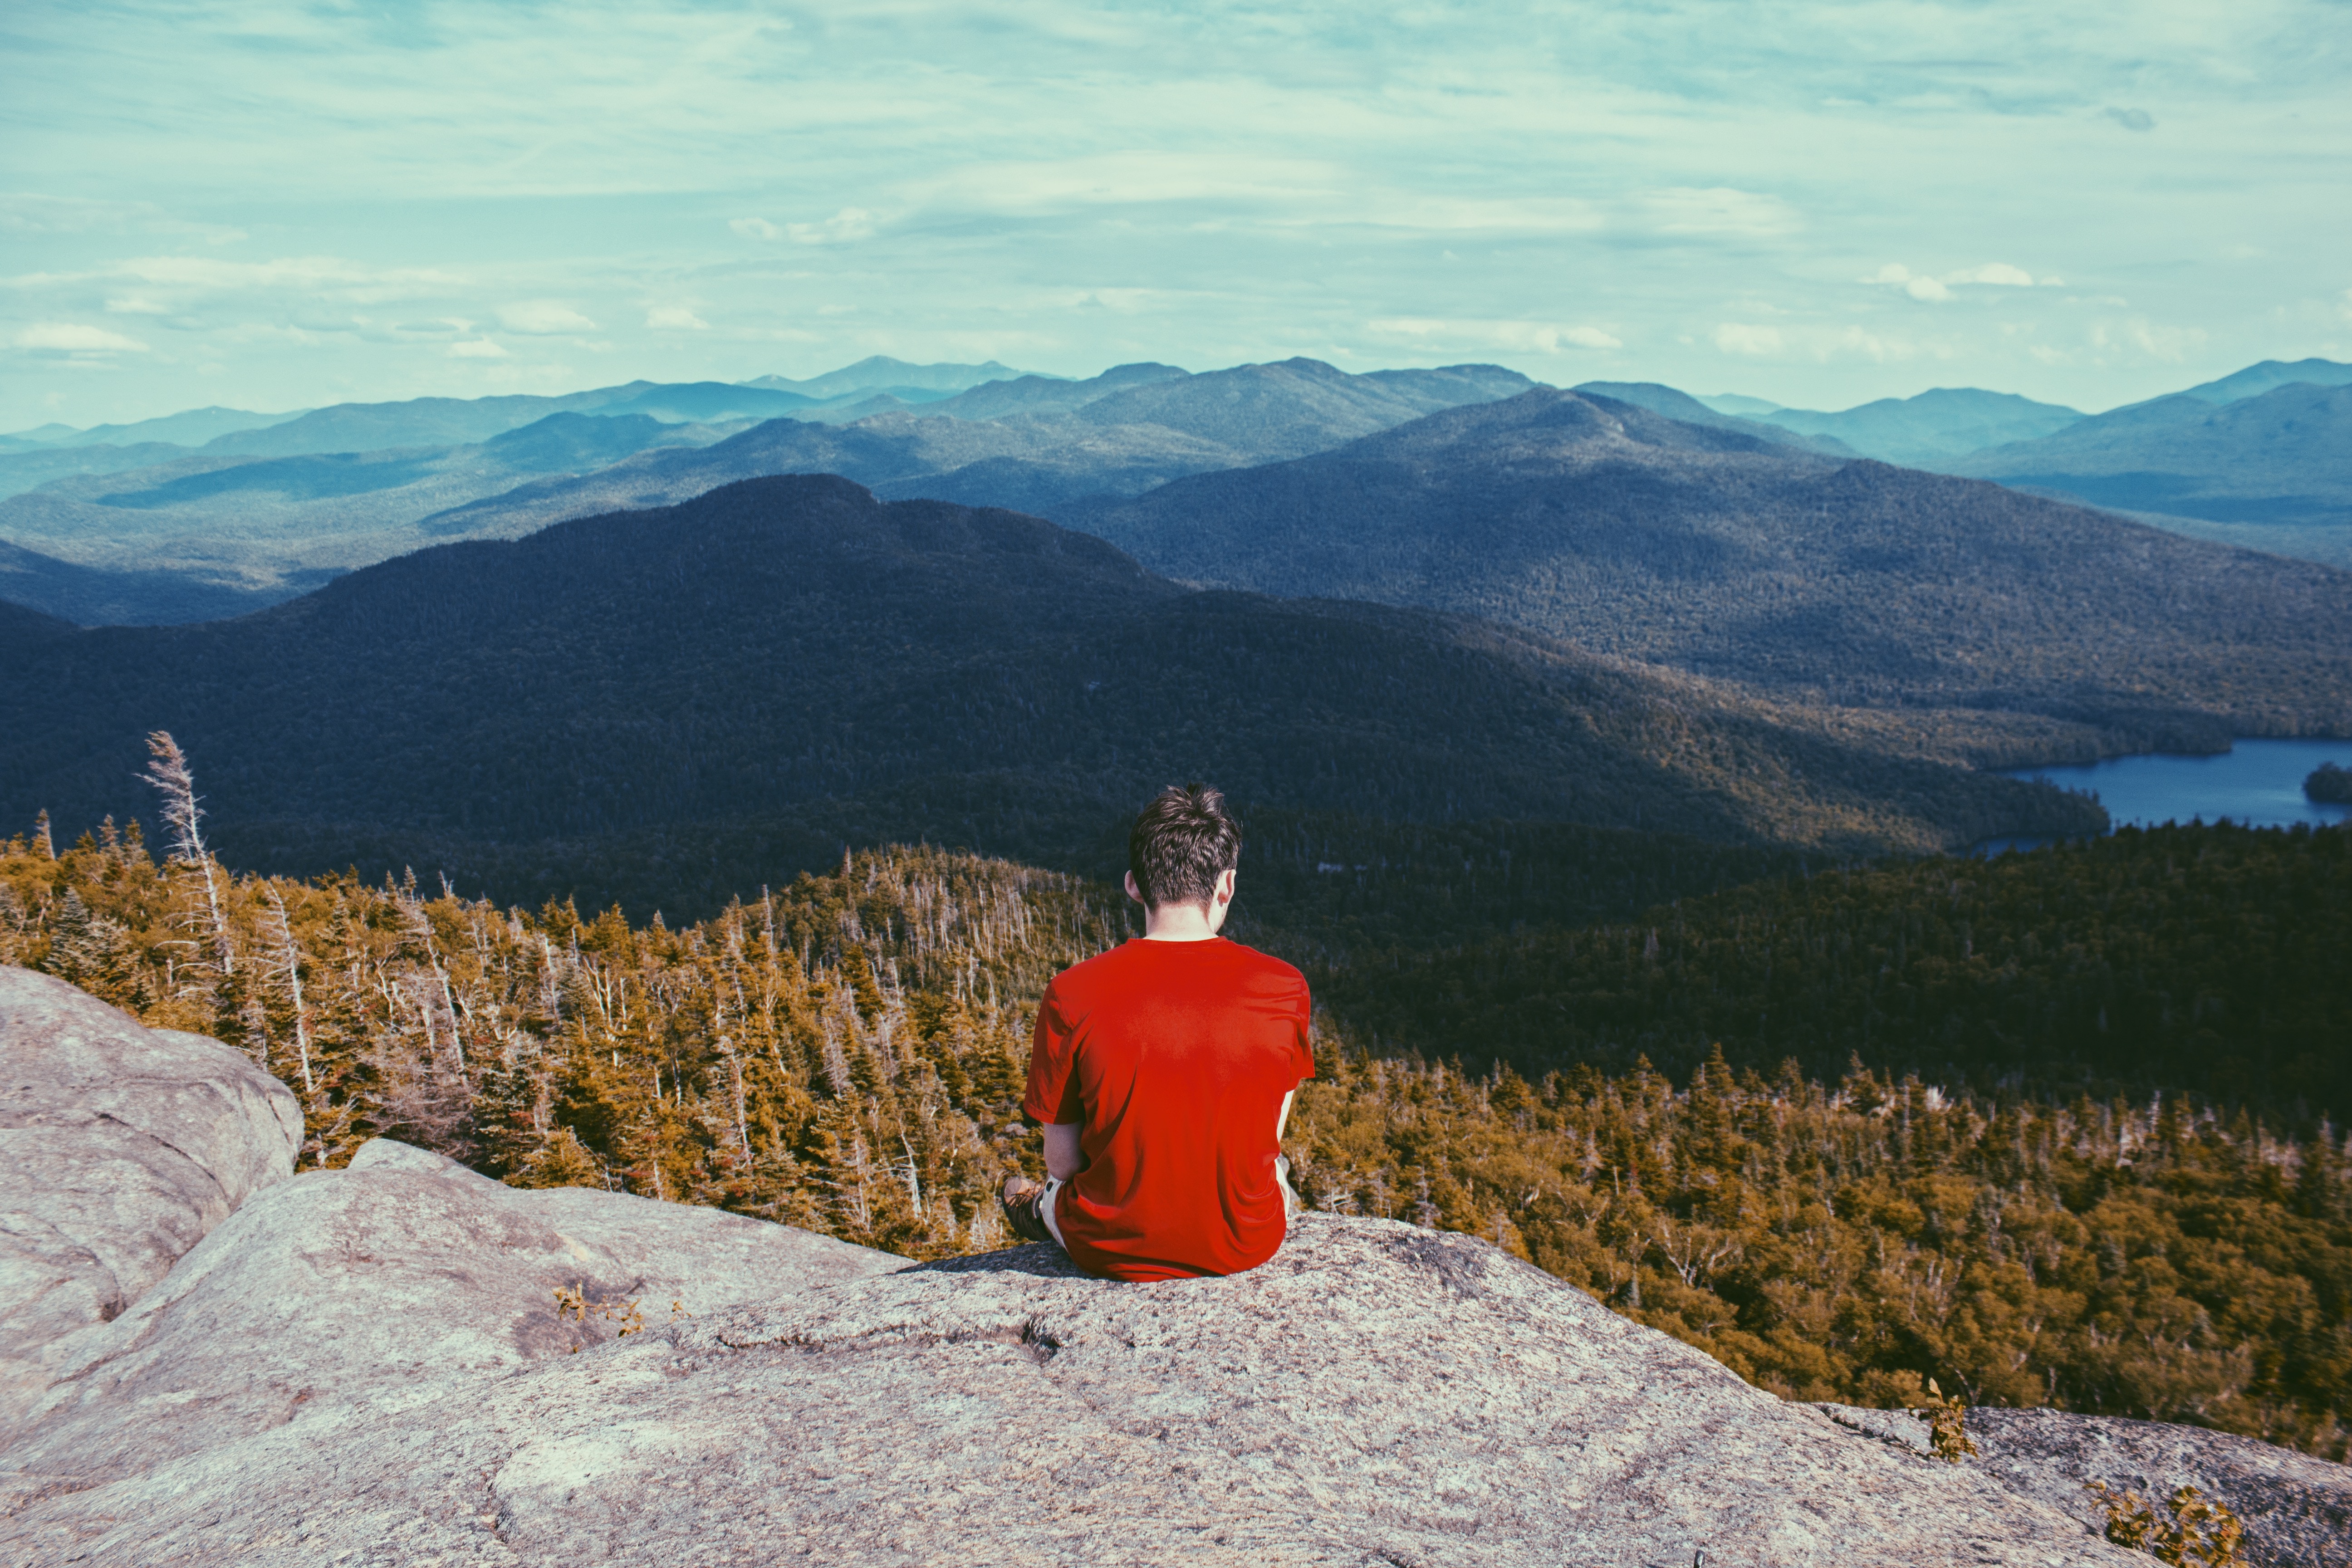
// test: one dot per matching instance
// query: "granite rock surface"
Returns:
(1375, 1395)
(367, 1291)
(124, 1146)
(2297, 1511)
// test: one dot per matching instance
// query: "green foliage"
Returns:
(2204, 957)
(2201, 1533)
(1948, 1429)
(2329, 782)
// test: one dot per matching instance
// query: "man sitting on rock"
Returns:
(1163, 1071)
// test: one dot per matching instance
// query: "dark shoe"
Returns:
(1019, 1202)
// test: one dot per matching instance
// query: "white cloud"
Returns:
(1997, 272)
(848, 224)
(476, 348)
(675, 317)
(70, 337)
(1718, 210)
(755, 228)
(543, 318)
(1519, 337)
(1824, 344)
(1738, 337)
(1920, 286)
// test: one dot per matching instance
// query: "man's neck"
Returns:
(1179, 922)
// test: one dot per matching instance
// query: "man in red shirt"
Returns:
(1163, 1071)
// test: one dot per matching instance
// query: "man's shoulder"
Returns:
(1273, 969)
(1135, 961)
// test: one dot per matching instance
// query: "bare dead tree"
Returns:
(41, 835)
(184, 814)
(291, 959)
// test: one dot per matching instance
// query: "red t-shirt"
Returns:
(1175, 1057)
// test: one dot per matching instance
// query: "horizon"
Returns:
(1014, 372)
(284, 207)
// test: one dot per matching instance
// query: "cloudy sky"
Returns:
(268, 204)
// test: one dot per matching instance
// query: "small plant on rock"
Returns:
(1946, 1420)
(571, 1301)
(2201, 1533)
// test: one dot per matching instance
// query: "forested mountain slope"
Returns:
(792, 662)
(1709, 551)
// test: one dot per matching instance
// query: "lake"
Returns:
(2257, 783)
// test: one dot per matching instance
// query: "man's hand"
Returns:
(1063, 1157)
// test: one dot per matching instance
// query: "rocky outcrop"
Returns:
(1375, 1395)
(366, 1291)
(2297, 1511)
(124, 1146)
(404, 1362)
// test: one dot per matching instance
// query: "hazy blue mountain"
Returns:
(238, 533)
(708, 402)
(1049, 395)
(1745, 407)
(877, 371)
(418, 422)
(1297, 406)
(34, 466)
(191, 428)
(43, 434)
(2257, 379)
(1717, 552)
(1153, 425)
(2278, 462)
(1690, 410)
(90, 595)
(1918, 432)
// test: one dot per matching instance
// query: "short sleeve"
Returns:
(1053, 1094)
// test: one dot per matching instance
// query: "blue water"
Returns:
(2257, 783)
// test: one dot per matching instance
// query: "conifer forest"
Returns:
(2056, 1129)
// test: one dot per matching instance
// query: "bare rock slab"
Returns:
(1375, 1395)
(125, 1147)
(367, 1291)
(2297, 1510)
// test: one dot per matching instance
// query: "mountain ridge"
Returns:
(492, 693)
(1704, 549)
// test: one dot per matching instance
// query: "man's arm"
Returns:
(1063, 1157)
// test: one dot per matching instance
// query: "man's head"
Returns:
(1182, 847)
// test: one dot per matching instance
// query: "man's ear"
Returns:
(1133, 891)
(1225, 890)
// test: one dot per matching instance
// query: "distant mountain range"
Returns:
(2270, 469)
(246, 530)
(1729, 555)
(154, 531)
(787, 664)
(202, 535)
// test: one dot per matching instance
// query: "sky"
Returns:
(276, 206)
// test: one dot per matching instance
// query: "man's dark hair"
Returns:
(1184, 839)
